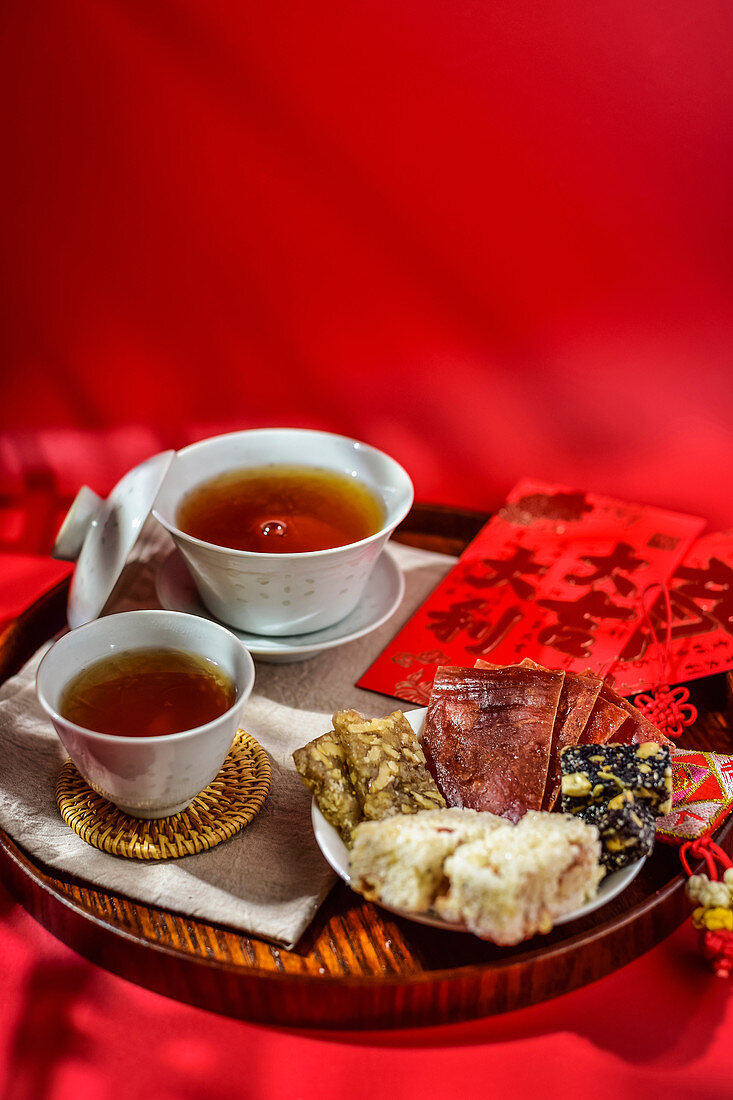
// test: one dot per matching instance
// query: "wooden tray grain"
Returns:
(357, 966)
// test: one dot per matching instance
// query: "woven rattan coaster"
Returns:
(218, 813)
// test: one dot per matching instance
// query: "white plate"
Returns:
(337, 855)
(382, 596)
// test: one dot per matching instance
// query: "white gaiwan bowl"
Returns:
(282, 594)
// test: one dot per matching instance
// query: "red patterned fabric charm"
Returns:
(702, 795)
(668, 709)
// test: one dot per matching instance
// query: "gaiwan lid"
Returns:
(99, 534)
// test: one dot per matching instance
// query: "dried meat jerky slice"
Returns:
(603, 721)
(577, 699)
(627, 830)
(321, 765)
(636, 728)
(487, 736)
(598, 774)
(386, 765)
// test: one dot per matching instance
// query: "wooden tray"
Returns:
(358, 966)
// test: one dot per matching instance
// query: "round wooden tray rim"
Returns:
(320, 997)
(444, 974)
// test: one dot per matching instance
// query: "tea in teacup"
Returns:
(281, 510)
(147, 693)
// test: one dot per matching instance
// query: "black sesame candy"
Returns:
(596, 774)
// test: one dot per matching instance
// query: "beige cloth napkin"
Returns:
(268, 880)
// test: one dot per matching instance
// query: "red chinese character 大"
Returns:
(622, 559)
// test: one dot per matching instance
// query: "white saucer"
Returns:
(382, 596)
(337, 855)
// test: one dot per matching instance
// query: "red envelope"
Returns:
(556, 576)
(701, 641)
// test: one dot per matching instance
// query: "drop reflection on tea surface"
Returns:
(147, 693)
(281, 510)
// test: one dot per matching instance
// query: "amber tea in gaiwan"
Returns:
(281, 510)
(147, 693)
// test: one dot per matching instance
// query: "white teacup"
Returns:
(280, 594)
(146, 776)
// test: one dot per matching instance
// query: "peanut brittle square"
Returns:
(322, 766)
(386, 765)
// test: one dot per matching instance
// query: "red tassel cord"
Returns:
(713, 893)
(666, 708)
(711, 853)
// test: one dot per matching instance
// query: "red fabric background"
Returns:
(661, 1026)
(492, 238)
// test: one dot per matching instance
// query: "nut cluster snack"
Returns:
(620, 789)
(322, 766)
(595, 774)
(367, 768)
(627, 830)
